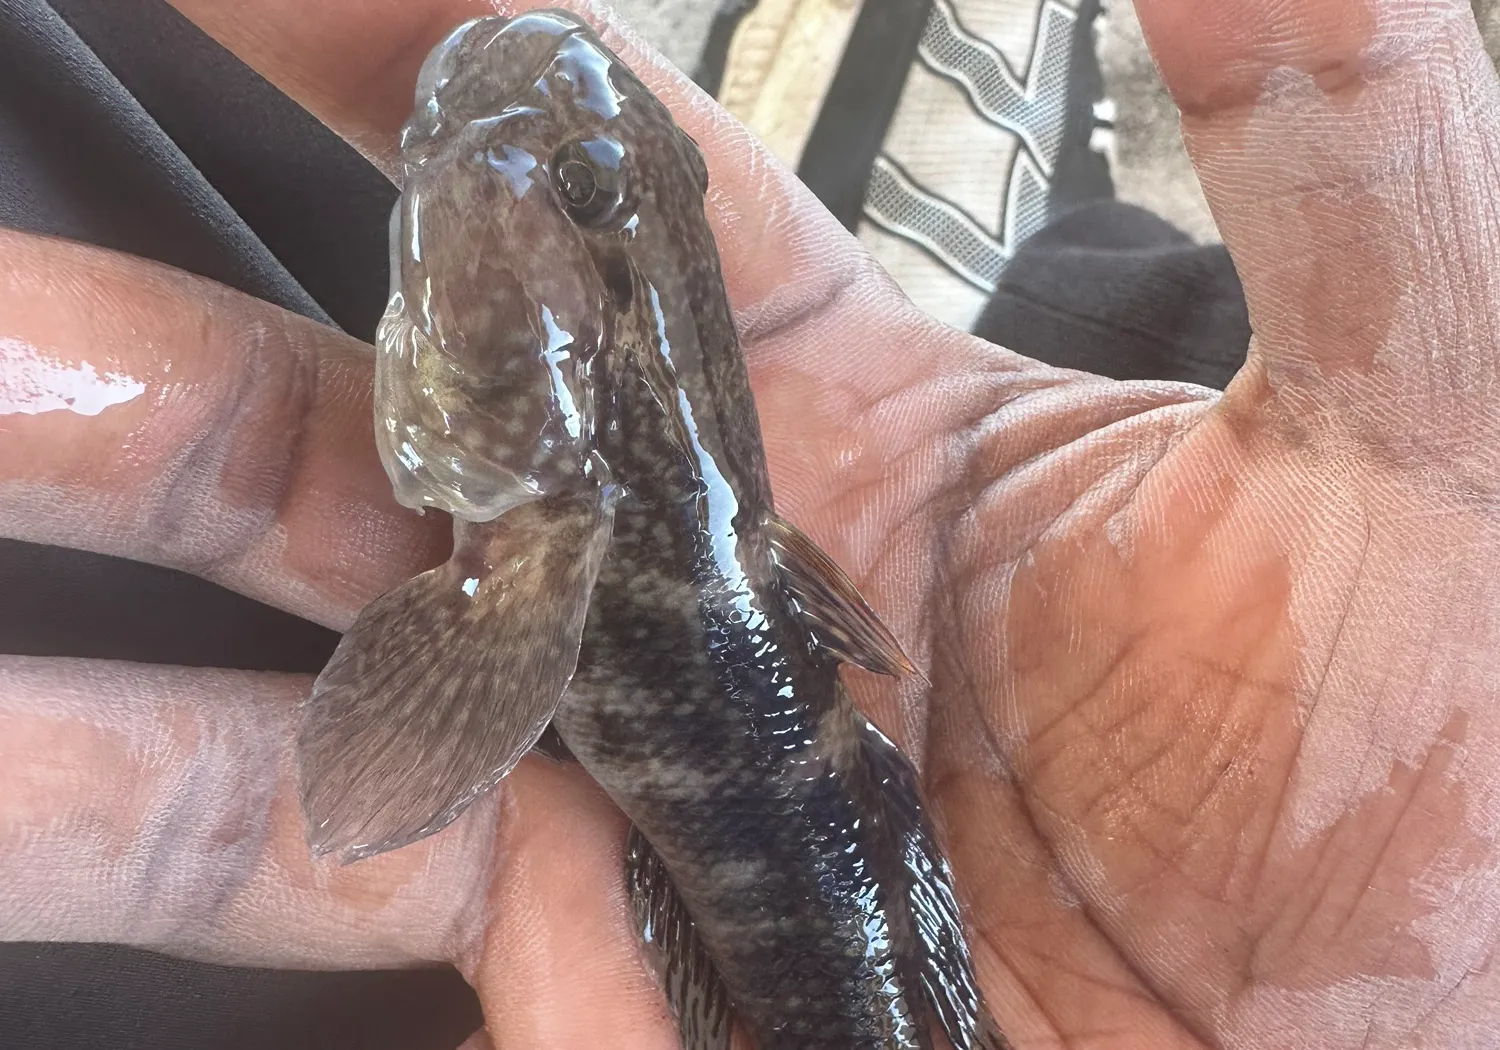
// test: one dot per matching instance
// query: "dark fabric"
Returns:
(72, 603)
(91, 997)
(857, 110)
(710, 73)
(318, 206)
(1082, 173)
(123, 126)
(80, 158)
(1112, 289)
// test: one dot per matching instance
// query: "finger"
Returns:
(156, 807)
(152, 415)
(560, 966)
(1347, 148)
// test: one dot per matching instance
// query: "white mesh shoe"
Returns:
(944, 132)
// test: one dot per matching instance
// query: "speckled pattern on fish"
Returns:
(552, 263)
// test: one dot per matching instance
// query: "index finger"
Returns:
(353, 64)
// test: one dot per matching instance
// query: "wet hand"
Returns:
(1211, 726)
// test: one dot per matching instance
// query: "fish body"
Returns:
(560, 371)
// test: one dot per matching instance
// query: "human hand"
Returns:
(1211, 730)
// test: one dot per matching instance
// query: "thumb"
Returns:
(1348, 149)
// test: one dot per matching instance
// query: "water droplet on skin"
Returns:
(33, 382)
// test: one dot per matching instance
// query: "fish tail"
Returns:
(947, 972)
(694, 989)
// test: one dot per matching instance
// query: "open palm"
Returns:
(1211, 725)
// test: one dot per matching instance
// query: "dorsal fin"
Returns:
(838, 616)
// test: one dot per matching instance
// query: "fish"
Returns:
(558, 369)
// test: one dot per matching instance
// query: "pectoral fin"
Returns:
(838, 616)
(947, 971)
(694, 989)
(444, 683)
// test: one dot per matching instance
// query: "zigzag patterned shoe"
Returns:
(944, 132)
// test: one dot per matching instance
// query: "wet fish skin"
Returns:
(553, 265)
(698, 702)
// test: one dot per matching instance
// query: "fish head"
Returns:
(534, 162)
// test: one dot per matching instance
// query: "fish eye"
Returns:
(588, 179)
(576, 182)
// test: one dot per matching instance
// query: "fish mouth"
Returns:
(437, 69)
(505, 55)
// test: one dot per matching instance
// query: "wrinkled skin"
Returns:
(1212, 728)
